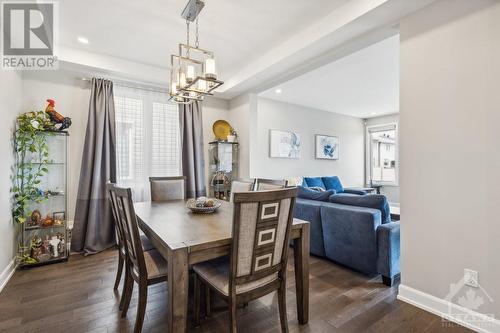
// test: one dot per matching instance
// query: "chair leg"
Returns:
(232, 315)
(118, 272)
(197, 296)
(208, 302)
(141, 307)
(129, 288)
(282, 308)
(124, 287)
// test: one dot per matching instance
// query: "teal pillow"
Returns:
(314, 182)
(333, 183)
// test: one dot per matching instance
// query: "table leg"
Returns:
(301, 261)
(178, 280)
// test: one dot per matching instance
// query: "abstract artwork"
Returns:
(327, 147)
(284, 144)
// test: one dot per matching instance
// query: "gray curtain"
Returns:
(193, 163)
(93, 230)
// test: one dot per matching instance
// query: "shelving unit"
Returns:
(44, 233)
(223, 168)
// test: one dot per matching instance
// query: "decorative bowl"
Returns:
(199, 206)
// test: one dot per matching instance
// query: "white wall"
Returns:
(450, 147)
(308, 122)
(390, 191)
(10, 107)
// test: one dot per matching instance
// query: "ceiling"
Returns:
(363, 84)
(148, 31)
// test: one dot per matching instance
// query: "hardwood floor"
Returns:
(78, 296)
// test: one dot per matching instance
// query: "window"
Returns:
(382, 147)
(147, 138)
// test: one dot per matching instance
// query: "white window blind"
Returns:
(147, 138)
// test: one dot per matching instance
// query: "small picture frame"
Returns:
(327, 147)
(59, 218)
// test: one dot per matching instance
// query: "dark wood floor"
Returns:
(78, 296)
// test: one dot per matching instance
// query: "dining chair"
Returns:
(241, 185)
(144, 267)
(257, 262)
(122, 254)
(270, 184)
(168, 188)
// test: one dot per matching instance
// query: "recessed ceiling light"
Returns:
(83, 40)
(278, 91)
(374, 113)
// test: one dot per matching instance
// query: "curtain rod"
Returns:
(128, 84)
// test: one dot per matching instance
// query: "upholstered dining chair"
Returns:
(270, 184)
(241, 185)
(144, 267)
(122, 254)
(258, 259)
(168, 188)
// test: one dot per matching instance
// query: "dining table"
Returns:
(185, 238)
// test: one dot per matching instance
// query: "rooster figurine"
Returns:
(56, 117)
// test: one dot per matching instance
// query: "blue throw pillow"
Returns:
(314, 182)
(333, 183)
(307, 193)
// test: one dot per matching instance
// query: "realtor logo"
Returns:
(29, 32)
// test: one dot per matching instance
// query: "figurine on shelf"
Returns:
(48, 221)
(56, 117)
(54, 246)
(36, 248)
(35, 218)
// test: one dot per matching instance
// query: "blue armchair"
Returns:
(330, 183)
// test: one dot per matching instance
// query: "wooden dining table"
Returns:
(184, 238)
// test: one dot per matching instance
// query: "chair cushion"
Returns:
(308, 193)
(146, 243)
(155, 264)
(216, 273)
(333, 183)
(314, 182)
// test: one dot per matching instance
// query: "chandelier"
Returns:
(192, 71)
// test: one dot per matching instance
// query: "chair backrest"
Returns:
(241, 185)
(270, 184)
(168, 188)
(261, 232)
(128, 221)
(119, 230)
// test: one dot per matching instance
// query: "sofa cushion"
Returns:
(314, 182)
(376, 201)
(307, 193)
(310, 210)
(333, 183)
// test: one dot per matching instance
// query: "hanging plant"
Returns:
(32, 158)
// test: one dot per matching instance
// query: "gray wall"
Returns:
(450, 147)
(391, 191)
(10, 97)
(308, 122)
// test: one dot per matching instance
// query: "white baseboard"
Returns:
(440, 307)
(7, 274)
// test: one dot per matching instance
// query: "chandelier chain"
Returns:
(187, 37)
(197, 40)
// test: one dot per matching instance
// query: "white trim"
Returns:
(440, 307)
(7, 274)
(368, 153)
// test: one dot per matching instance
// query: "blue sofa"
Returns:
(354, 230)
